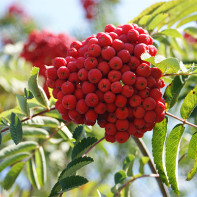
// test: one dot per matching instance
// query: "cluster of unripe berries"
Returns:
(104, 80)
(42, 47)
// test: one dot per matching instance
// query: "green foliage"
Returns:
(120, 176)
(189, 103)
(16, 129)
(143, 162)
(172, 145)
(128, 164)
(32, 174)
(82, 147)
(72, 182)
(171, 33)
(23, 104)
(78, 133)
(12, 160)
(37, 91)
(173, 90)
(40, 166)
(12, 175)
(28, 94)
(191, 31)
(75, 165)
(13, 149)
(158, 140)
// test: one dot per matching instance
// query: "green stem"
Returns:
(146, 153)
(133, 179)
(27, 118)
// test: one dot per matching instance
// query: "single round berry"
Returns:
(120, 101)
(69, 101)
(122, 125)
(149, 103)
(109, 97)
(81, 106)
(150, 116)
(141, 83)
(91, 99)
(135, 101)
(122, 113)
(104, 40)
(116, 87)
(127, 91)
(63, 72)
(67, 87)
(122, 137)
(114, 75)
(104, 85)
(128, 78)
(94, 75)
(115, 63)
(139, 112)
(110, 129)
(108, 52)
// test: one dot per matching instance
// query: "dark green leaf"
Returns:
(16, 129)
(75, 165)
(13, 149)
(40, 121)
(120, 176)
(83, 146)
(23, 104)
(37, 91)
(12, 175)
(78, 132)
(55, 190)
(28, 94)
(173, 90)
(31, 171)
(143, 162)
(128, 164)
(158, 140)
(172, 145)
(189, 103)
(72, 182)
(14, 159)
(40, 166)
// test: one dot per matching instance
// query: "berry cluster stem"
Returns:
(182, 120)
(135, 178)
(146, 153)
(27, 118)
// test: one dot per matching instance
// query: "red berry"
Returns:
(129, 47)
(150, 116)
(120, 101)
(73, 78)
(88, 87)
(128, 78)
(94, 50)
(108, 52)
(104, 40)
(82, 74)
(67, 87)
(72, 66)
(79, 94)
(109, 28)
(151, 82)
(160, 107)
(156, 94)
(122, 113)
(152, 50)
(63, 72)
(90, 62)
(115, 63)
(140, 83)
(143, 70)
(69, 101)
(144, 93)
(132, 129)
(127, 91)
(110, 129)
(116, 87)
(118, 44)
(156, 72)
(126, 28)
(122, 125)
(114, 75)
(103, 67)
(135, 100)
(104, 85)
(134, 62)
(91, 115)
(111, 107)
(139, 123)
(160, 117)
(91, 99)
(110, 138)
(149, 104)
(140, 49)
(59, 61)
(133, 35)
(94, 75)
(100, 108)
(146, 39)
(51, 73)
(109, 97)
(124, 55)
(111, 117)
(81, 106)
(139, 112)
(122, 137)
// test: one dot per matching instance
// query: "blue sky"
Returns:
(65, 15)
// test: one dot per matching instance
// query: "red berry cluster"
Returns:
(103, 79)
(90, 7)
(16, 10)
(42, 47)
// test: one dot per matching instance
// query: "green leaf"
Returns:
(13, 149)
(23, 104)
(173, 90)
(40, 166)
(189, 103)
(12, 175)
(82, 147)
(16, 129)
(12, 160)
(147, 11)
(66, 131)
(55, 190)
(75, 165)
(78, 132)
(128, 164)
(7, 113)
(158, 140)
(72, 182)
(120, 176)
(144, 20)
(31, 171)
(187, 20)
(172, 145)
(37, 91)
(171, 32)
(40, 121)
(191, 31)
(0, 138)
(28, 94)
(191, 174)
(192, 150)
(156, 21)
(29, 132)
(143, 162)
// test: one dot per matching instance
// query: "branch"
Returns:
(182, 120)
(135, 178)
(178, 74)
(146, 153)
(25, 119)
(93, 146)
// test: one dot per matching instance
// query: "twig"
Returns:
(93, 146)
(146, 153)
(178, 74)
(135, 178)
(180, 159)
(25, 119)
(182, 120)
